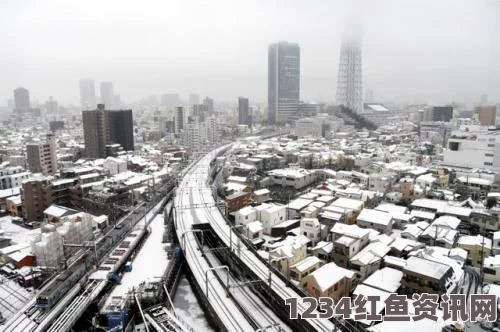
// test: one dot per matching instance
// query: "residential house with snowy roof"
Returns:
(375, 219)
(330, 281)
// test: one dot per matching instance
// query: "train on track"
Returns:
(61, 285)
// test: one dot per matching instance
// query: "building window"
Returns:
(491, 145)
(488, 154)
(487, 163)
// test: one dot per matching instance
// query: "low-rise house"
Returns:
(238, 200)
(348, 240)
(323, 250)
(295, 206)
(374, 219)
(305, 267)
(351, 208)
(414, 231)
(386, 279)
(478, 247)
(254, 231)
(491, 269)
(400, 214)
(369, 259)
(245, 215)
(272, 215)
(330, 281)
(287, 253)
(442, 232)
(311, 228)
(425, 276)
(292, 177)
(261, 195)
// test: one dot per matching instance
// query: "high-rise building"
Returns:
(194, 98)
(121, 128)
(87, 94)
(103, 127)
(179, 119)
(107, 94)
(487, 115)
(209, 105)
(243, 112)
(42, 157)
(350, 74)
(200, 112)
(442, 113)
(36, 196)
(95, 133)
(51, 106)
(283, 90)
(22, 99)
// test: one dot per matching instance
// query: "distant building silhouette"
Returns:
(87, 94)
(283, 82)
(243, 111)
(107, 94)
(21, 99)
(350, 74)
(51, 106)
(209, 105)
(194, 99)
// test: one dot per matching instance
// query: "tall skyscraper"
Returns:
(243, 112)
(107, 94)
(87, 94)
(42, 157)
(121, 128)
(283, 90)
(194, 98)
(22, 99)
(350, 74)
(102, 127)
(179, 119)
(51, 106)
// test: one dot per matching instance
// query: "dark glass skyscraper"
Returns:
(121, 128)
(283, 82)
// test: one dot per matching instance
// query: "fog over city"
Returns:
(413, 50)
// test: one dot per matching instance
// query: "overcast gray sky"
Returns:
(430, 50)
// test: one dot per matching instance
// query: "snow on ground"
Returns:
(187, 307)
(12, 297)
(17, 233)
(151, 261)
